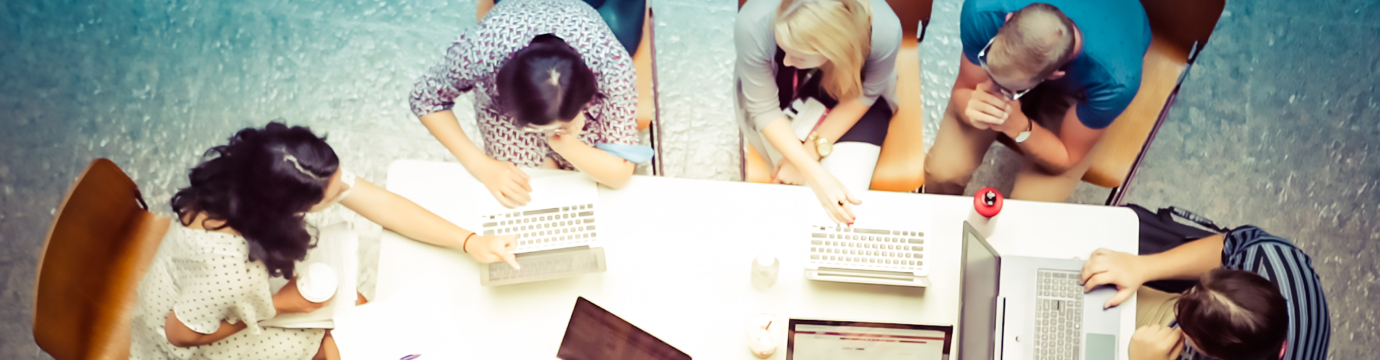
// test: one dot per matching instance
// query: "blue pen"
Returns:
(410, 357)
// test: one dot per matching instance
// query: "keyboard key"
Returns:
(538, 212)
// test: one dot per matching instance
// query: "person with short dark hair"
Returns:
(1257, 298)
(250, 213)
(1049, 76)
(553, 88)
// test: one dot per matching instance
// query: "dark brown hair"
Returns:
(546, 81)
(260, 184)
(1234, 315)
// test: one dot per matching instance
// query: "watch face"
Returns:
(824, 148)
(1022, 136)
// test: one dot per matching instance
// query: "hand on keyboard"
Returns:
(1107, 267)
(505, 181)
(493, 248)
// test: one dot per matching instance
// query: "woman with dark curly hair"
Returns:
(243, 220)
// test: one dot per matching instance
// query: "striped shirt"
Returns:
(1310, 328)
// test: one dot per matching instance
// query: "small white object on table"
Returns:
(677, 253)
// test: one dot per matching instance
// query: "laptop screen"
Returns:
(596, 334)
(978, 303)
(846, 340)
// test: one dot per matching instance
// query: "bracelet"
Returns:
(467, 242)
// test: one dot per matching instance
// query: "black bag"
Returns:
(1161, 231)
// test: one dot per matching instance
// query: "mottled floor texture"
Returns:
(1275, 126)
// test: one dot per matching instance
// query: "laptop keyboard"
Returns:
(544, 229)
(867, 249)
(1058, 315)
(575, 262)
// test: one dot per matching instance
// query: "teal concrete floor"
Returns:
(1275, 126)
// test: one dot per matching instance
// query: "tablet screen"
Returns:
(843, 340)
(596, 334)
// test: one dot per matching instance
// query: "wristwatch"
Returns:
(1030, 125)
(822, 147)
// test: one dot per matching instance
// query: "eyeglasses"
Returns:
(552, 130)
(547, 132)
(1010, 95)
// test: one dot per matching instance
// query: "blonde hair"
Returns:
(839, 30)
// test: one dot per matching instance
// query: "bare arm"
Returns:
(1128, 272)
(403, 216)
(969, 76)
(182, 336)
(1189, 261)
(1056, 153)
(504, 180)
(782, 137)
(605, 168)
(446, 128)
(839, 121)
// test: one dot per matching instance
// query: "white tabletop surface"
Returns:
(679, 254)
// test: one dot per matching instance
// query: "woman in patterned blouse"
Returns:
(554, 89)
(249, 216)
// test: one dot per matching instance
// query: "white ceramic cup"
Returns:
(317, 283)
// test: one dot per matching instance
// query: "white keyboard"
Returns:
(545, 229)
(868, 249)
(1058, 314)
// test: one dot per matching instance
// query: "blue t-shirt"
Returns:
(1106, 74)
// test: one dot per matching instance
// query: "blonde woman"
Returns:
(798, 57)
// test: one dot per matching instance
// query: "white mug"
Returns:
(317, 283)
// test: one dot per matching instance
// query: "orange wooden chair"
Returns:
(901, 165)
(97, 251)
(1180, 30)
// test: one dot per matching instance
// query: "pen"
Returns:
(410, 357)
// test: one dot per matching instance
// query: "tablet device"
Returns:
(849, 340)
(596, 334)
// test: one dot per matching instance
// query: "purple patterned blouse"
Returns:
(473, 61)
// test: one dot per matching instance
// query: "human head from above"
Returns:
(832, 35)
(1031, 47)
(261, 184)
(546, 85)
(1234, 315)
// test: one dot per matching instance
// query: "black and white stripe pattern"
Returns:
(1310, 328)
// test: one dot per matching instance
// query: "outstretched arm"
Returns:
(407, 218)
(1128, 272)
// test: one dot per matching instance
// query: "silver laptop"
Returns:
(887, 245)
(557, 233)
(1015, 307)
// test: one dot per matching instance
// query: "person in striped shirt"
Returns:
(1257, 298)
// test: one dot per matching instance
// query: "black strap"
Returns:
(1195, 218)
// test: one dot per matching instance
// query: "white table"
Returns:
(679, 253)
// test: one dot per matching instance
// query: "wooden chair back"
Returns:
(96, 253)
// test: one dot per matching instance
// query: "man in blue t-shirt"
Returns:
(1051, 76)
